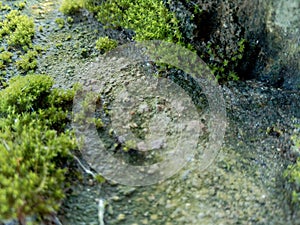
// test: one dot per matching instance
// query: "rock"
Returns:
(121, 217)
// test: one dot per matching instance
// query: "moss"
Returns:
(31, 183)
(5, 57)
(28, 61)
(4, 7)
(71, 6)
(2, 66)
(33, 146)
(17, 29)
(150, 19)
(105, 44)
(24, 93)
(20, 5)
(223, 65)
(70, 20)
(292, 174)
(60, 22)
(130, 144)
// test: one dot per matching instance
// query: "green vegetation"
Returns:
(17, 29)
(33, 146)
(223, 65)
(105, 44)
(27, 62)
(20, 5)
(129, 144)
(60, 22)
(150, 19)
(5, 57)
(4, 7)
(71, 6)
(292, 173)
(17, 49)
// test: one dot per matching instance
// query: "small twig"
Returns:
(84, 168)
(5, 144)
(101, 209)
(56, 220)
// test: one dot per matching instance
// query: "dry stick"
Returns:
(101, 202)
(84, 168)
(101, 208)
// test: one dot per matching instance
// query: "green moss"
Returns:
(150, 19)
(20, 5)
(17, 29)
(71, 6)
(105, 44)
(33, 146)
(60, 22)
(83, 116)
(292, 173)
(25, 93)
(4, 7)
(70, 20)
(5, 57)
(2, 67)
(223, 65)
(31, 182)
(130, 144)
(28, 61)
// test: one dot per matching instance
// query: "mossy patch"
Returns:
(28, 61)
(16, 38)
(150, 20)
(33, 146)
(17, 29)
(292, 173)
(105, 44)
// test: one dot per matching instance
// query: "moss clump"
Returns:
(20, 5)
(28, 61)
(33, 146)
(4, 7)
(31, 182)
(223, 64)
(5, 57)
(105, 44)
(17, 29)
(150, 19)
(60, 22)
(25, 93)
(71, 6)
(292, 173)
(16, 33)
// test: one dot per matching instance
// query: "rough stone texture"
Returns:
(270, 27)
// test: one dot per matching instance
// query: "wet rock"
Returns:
(271, 29)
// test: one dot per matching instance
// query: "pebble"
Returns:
(121, 217)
